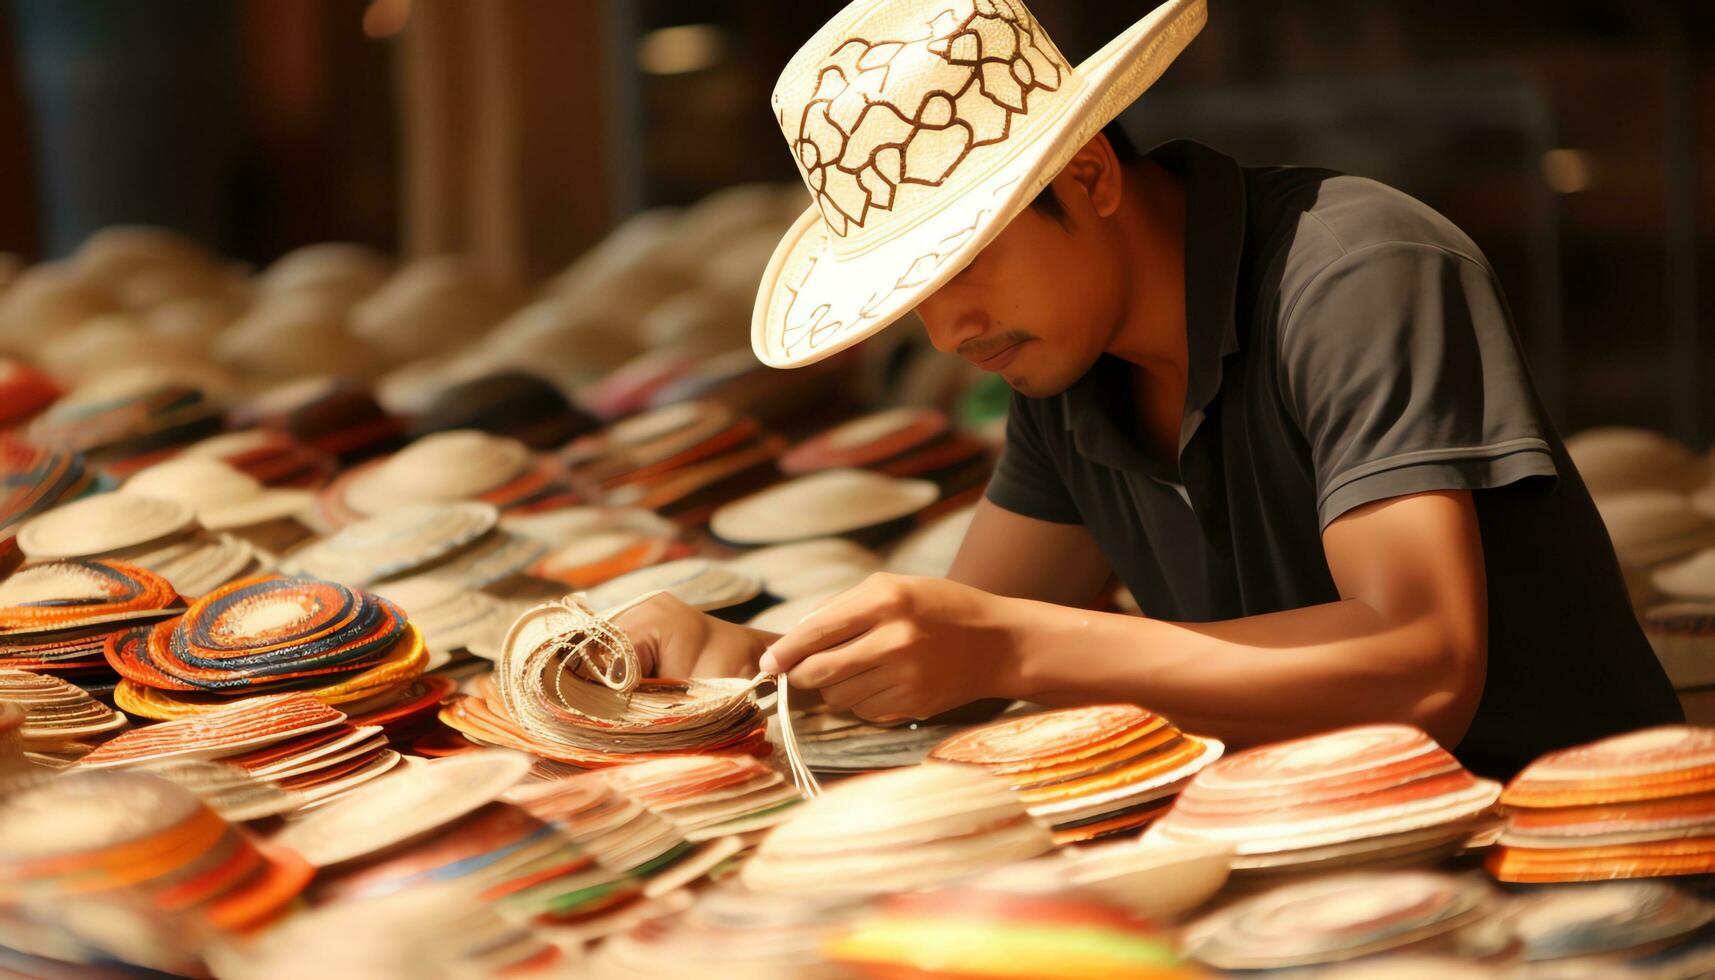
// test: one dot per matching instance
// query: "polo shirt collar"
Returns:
(1214, 247)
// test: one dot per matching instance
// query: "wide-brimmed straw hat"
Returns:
(921, 128)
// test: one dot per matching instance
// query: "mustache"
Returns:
(982, 348)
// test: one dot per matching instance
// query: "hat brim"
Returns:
(813, 303)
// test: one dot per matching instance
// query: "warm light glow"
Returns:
(385, 18)
(1569, 171)
(677, 50)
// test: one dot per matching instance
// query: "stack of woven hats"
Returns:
(291, 740)
(1375, 795)
(124, 420)
(1091, 772)
(56, 617)
(104, 835)
(681, 461)
(458, 542)
(155, 533)
(262, 635)
(1631, 806)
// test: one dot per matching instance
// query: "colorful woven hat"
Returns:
(271, 458)
(266, 634)
(96, 834)
(709, 796)
(119, 417)
(33, 480)
(81, 592)
(250, 723)
(1090, 772)
(330, 415)
(1632, 806)
(920, 130)
(1343, 917)
(1359, 795)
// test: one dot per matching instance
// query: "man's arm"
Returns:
(1406, 642)
(1008, 554)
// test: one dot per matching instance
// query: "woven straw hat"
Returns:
(921, 128)
(221, 496)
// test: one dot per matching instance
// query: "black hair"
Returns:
(1125, 151)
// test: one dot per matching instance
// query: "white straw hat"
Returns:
(921, 129)
(812, 567)
(102, 523)
(441, 467)
(820, 505)
(222, 496)
(398, 541)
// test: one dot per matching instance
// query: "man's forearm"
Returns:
(1252, 680)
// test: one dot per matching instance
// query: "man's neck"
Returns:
(1153, 335)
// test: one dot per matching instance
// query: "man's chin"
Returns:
(1031, 388)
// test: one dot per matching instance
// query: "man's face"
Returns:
(1041, 302)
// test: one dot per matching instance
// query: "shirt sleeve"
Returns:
(1027, 481)
(1401, 367)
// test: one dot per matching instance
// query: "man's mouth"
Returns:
(1000, 358)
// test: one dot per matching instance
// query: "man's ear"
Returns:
(1097, 170)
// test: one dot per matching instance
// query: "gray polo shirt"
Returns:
(1347, 344)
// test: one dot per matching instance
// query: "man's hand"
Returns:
(674, 640)
(898, 647)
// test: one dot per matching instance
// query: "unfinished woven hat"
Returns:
(921, 129)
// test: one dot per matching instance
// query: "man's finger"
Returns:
(856, 689)
(830, 667)
(844, 618)
(884, 706)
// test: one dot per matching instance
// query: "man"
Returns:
(1285, 406)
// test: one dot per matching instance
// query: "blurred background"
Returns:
(1574, 139)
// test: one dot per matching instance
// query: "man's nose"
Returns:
(950, 323)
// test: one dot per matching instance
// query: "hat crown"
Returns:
(896, 103)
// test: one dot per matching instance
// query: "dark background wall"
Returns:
(1574, 140)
